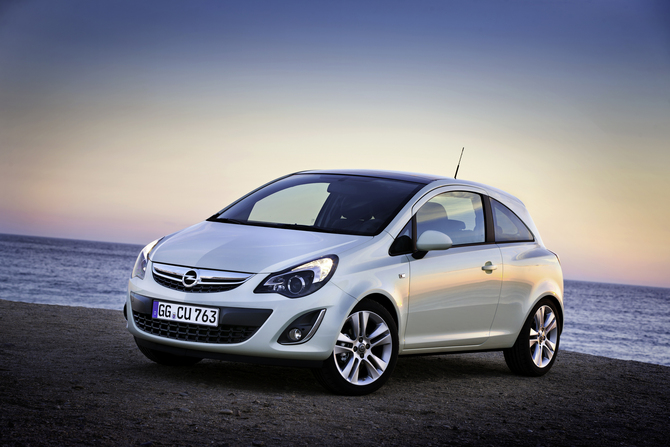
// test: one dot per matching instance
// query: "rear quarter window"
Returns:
(508, 227)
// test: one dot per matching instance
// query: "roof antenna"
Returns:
(459, 163)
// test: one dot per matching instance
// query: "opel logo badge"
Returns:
(190, 278)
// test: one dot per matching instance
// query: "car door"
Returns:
(453, 293)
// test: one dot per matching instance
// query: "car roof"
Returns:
(393, 175)
(424, 179)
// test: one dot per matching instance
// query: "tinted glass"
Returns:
(403, 244)
(457, 214)
(294, 205)
(347, 204)
(508, 226)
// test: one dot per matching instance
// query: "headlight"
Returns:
(142, 259)
(302, 280)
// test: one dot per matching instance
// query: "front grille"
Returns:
(222, 334)
(200, 288)
(201, 280)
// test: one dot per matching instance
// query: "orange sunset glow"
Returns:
(125, 121)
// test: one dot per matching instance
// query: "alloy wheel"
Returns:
(543, 336)
(364, 348)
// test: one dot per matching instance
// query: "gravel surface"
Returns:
(73, 376)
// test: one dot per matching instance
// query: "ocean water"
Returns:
(618, 321)
(611, 320)
(64, 271)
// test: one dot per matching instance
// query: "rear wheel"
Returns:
(167, 359)
(365, 353)
(536, 348)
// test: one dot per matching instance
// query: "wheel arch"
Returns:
(385, 302)
(551, 288)
(559, 305)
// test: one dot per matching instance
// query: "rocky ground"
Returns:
(73, 376)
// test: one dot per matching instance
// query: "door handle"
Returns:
(489, 267)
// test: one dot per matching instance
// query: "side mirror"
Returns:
(433, 240)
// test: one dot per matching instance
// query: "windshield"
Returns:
(332, 203)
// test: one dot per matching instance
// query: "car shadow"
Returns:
(417, 371)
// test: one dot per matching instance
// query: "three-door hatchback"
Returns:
(343, 271)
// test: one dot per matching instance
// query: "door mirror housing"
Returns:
(433, 240)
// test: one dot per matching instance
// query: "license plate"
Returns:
(207, 316)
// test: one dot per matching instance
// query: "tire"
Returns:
(164, 358)
(536, 348)
(365, 353)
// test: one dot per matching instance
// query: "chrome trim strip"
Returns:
(311, 333)
(207, 277)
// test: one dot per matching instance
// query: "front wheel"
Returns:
(365, 352)
(536, 348)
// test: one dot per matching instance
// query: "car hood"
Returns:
(245, 248)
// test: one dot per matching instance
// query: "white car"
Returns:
(343, 271)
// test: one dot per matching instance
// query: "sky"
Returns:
(124, 121)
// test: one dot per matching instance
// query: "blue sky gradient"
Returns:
(124, 121)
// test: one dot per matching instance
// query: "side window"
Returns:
(508, 227)
(407, 230)
(458, 214)
(403, 244)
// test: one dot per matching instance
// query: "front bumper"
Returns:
(241, 307)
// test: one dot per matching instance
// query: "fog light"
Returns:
(302, 329)
(295, 334)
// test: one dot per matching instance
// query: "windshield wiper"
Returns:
(297, 226)
(227, 220)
